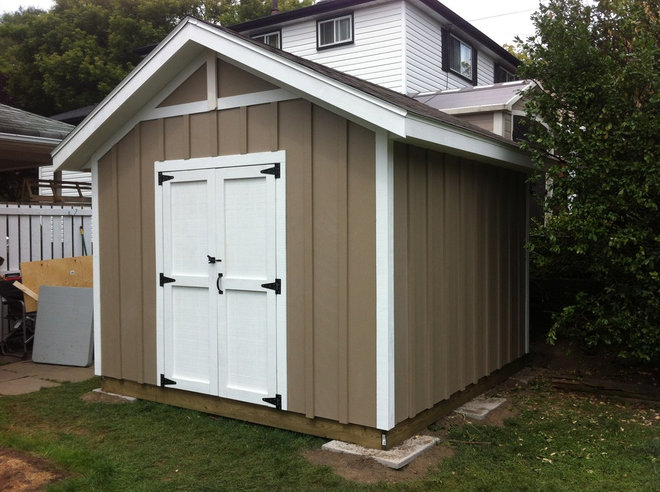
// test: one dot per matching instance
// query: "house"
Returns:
(499, 108)
(26, 141)
(287, 244)
(409, 46)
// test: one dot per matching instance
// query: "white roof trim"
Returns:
(191, 38)
(475, 109)
(465, 142)
(31, 139)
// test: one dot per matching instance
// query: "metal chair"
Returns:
(17, 325)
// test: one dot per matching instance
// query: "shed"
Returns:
(285, 244)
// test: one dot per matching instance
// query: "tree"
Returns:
(73, 55)
(598, 68)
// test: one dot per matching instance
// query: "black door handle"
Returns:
(217, 284)
(213, 259)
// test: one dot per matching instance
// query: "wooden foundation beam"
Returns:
(364, 436)
(329, 429)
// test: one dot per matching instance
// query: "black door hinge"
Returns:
(163, 177)
(166, 382)
(165, 280)
(276, 286)
(277, 401)
(275, 170)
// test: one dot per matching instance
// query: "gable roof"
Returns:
(330, 6)
(369, 104)
(495, 97)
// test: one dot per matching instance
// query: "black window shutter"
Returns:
(445, 50)
(475, 55)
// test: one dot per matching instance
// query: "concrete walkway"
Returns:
(21, 377)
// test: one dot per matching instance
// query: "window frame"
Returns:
(335, 20)
(499, 70)
(447, 39)
(263, 34)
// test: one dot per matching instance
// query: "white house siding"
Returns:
(46, 172)
(375, 54)
(424, 57)
(485, 69)
(424, 54)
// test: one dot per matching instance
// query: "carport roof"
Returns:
(18, 122)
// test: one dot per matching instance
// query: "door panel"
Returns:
(190, 358)
(189, 209)
(190, 345)
(245, 232)
(246, 313)
(247, 342)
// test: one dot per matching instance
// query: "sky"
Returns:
(501, 20)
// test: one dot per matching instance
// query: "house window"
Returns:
(334, 32)
(503, 75)
(269, 38)
(459, 57)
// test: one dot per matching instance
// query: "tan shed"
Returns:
(285, 244)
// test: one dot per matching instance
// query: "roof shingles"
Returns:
(18, 122)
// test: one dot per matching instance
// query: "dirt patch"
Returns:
(366, 470)
(21, 472)
(569, 358)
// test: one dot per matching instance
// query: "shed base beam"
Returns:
(329, 429)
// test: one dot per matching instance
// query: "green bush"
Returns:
(597, 68)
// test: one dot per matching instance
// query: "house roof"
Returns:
(329, 6)
(18, 122)
(26, 139)
(494, 97)
(366, 103)
(74, 116)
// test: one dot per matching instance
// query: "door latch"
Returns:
(212, 259)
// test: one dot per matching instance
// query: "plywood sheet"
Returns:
(65, 272)
(63, 334)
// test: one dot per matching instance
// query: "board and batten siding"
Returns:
(375, 55)
(459, 274)
(330, 167)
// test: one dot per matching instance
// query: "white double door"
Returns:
(218, 321)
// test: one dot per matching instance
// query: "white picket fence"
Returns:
(42, 232)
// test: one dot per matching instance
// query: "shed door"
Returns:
(219, 248)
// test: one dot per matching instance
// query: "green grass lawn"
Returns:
(557, 441)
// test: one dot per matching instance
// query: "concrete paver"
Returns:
(18, 378)
(24, 385)
(397, 457)
(51, 372)
(479, 408)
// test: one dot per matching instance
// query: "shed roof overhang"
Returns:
(374, 107)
